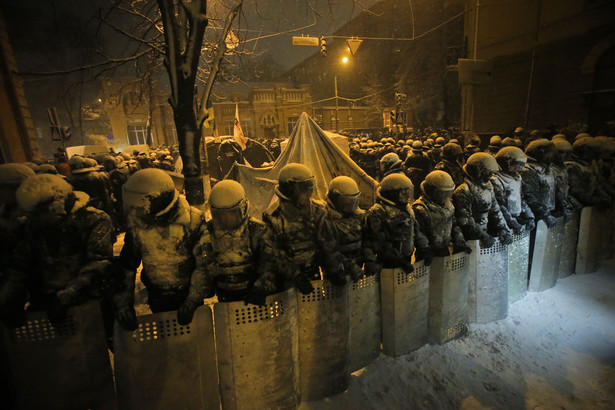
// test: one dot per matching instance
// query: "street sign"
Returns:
(475, 71)
(353, 45)
(305, 41)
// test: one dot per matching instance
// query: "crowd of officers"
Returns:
(57, 231)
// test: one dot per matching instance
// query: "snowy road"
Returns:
(556, 349)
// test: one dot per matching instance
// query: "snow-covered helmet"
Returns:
(510, 156)
(109, 163)
(495, 141)
(344, 194)
(388, 161)
(438, 186)
(78, 165)
(541, 150)
(559, 137)
(508, 142)
(481, 166)
(151, 192)
(397, 188)
(451, 151)
(13, 174)
(229, 206)
(33, 166)
(48, 169)
(48, 198)
(440, 141)
(417, 147)
(295, 179)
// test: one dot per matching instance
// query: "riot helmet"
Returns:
(510, 159)
(296, 181)
(542, 150)
(150, 193)
(11, 176)
(397, 188)
(508, 142)
(344, 194)
(481, 166)
(440, 141)
(417, 147)
(229, 206)
(389, 161)
(47, 198)
(48, 169)
(438, 186)
(451, 151)
(563, 150)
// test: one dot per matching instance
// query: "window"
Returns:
(137, 133)
(229, 126)
(292, 121)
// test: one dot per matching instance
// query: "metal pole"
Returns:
(337, 118)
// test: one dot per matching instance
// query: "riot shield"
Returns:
(60, 366)
(606, 234)
(545, 260)
(569, 246)
(404, 299)
(518, 263)
(365, 324)
(323, 340)
(163, 365)
(448, 298)
(588, 244)
(257, 350)
(488, 282)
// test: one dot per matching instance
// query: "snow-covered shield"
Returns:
(448, 298)
(545, 260)
(165, 365)
(518, 263)
(405, 308)
(488, 282)
(569, 246)
(323, 340)
(61, 366)
(257, 350)
(588, 244)
(365, 324)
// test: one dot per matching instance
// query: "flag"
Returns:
(238, 136)
(210, 123)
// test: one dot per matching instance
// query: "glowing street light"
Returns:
(337, 108)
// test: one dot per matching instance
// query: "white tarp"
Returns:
(339, 140)
(308, 144)
(88, 149)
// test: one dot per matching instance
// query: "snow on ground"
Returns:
(555, 350)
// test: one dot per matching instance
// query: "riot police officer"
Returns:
(347, 221)
(390, 164)
(236, 245)
(507, 188)
(565, 204)
(417, 165)
(477, 211)
(495, 144)
(435, 214)
(538, 181)
(298, 239)
(170, 237)
(582, 175)
(451, 156)
(391, 230)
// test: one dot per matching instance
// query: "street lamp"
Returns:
(337, 106)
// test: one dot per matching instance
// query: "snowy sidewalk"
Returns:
(556, 349)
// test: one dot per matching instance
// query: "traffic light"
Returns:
(323, 47)
(393, 117)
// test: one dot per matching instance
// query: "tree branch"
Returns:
(172, 55)
(202, 114)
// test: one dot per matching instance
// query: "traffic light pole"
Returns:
(337, 109)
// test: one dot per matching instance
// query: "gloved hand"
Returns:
(303, 284)
(567, 216)
(462, 248)
(407, 267)
(372, 268)
(127, 318)
(256, 296)
(505, 237)
(487, 241)
(550, 221)
(353, 270)
(530, 225)
(66, 296)
(186, 312)
(337, 280)
(515, 226)
(423, 255)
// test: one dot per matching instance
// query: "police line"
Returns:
(298, 347)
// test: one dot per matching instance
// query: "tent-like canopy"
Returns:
(309, 145)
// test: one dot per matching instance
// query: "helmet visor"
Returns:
(347, 203)
(227, 218)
